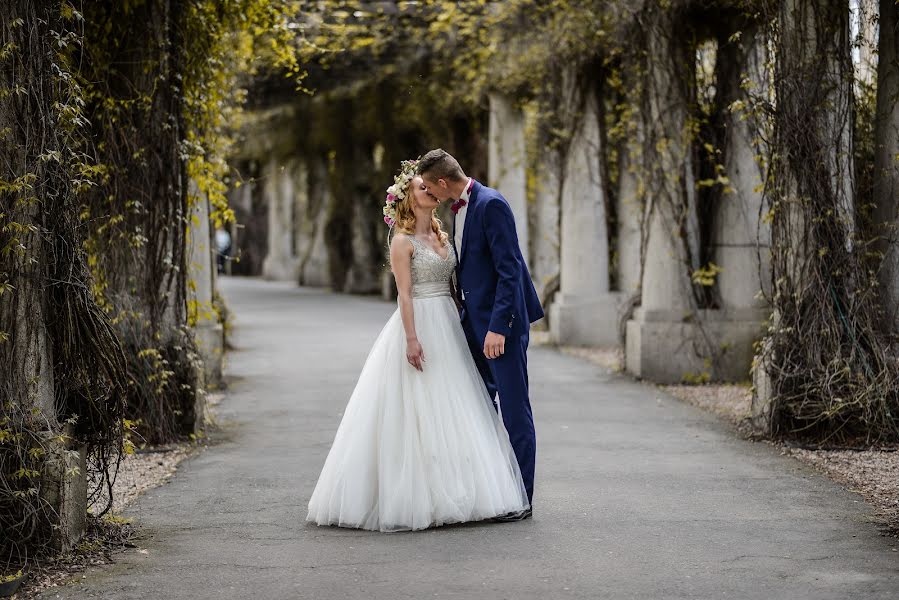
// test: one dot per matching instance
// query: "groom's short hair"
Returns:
(440, 164)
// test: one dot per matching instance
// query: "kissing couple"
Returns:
(438, 429)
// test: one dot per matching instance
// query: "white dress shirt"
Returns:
(459, 224)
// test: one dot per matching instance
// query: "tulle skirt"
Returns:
(418, 449)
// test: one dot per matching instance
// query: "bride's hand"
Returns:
(414, 354)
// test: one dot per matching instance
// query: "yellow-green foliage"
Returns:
(470, 46)
(162, 81)
(226, 43)
(706, 275)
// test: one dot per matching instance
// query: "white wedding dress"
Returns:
(419, 449)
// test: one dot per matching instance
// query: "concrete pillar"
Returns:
(65, 489)
(666, 285)
(544, 208)
(864, 21)
(208, 332)
(545, 245)
(662, 343)
(367, 229)
(670, 339)
(741, 243)
(313, 252)
(811, 43)
(741, 249)
(240, 199)
(507, 161)
(586, 312)
(629, 209)
(28, 377)
(64, 474)
(278, 190)
(886, 166)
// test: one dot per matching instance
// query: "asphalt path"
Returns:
(637, 496)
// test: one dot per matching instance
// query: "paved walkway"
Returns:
(638, 495)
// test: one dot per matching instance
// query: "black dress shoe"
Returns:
(512, 517)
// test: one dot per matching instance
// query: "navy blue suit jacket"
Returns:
(499, 295)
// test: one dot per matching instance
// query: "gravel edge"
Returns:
(144, 470)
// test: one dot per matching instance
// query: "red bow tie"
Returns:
(457, 205)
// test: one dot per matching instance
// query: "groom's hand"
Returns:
(494, 345)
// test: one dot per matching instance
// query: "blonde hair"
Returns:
(405, 216)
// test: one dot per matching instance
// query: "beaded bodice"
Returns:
(430, 271)
(430, 267)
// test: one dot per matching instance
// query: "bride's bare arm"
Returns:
(401, 264)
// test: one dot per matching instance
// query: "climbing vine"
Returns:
(825, 357)
(163, 81)
(114, 124)
(63, 371)
(685, 90)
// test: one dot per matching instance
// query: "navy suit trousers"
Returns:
(508, 377)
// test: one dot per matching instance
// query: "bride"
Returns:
(420, 444)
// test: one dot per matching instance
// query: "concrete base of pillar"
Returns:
(65, 489)
(664, 347)
(760, 412)
(281, 268)
(210, 339)
(590, 321)
(193, 418)
(314, 274)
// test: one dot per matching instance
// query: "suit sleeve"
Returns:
(503, 242)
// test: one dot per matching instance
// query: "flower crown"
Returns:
(397, 192)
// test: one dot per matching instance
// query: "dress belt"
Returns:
(432, 289)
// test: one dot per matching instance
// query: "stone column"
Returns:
(278, 190)
(367, 228)
(313, 252)
(886, 165)
(544, 208)
(670, 339)
(586, 312)
(507, 161)
(660, 339)
(65, 489)
(742, 251)
(738, 237)
(27, 362)
(629, 208)
(546, 249)
(864, 24)
(812, 43)
(208, 332)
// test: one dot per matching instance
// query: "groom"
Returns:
(498, 298)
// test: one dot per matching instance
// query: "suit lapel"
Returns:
(466, 232)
